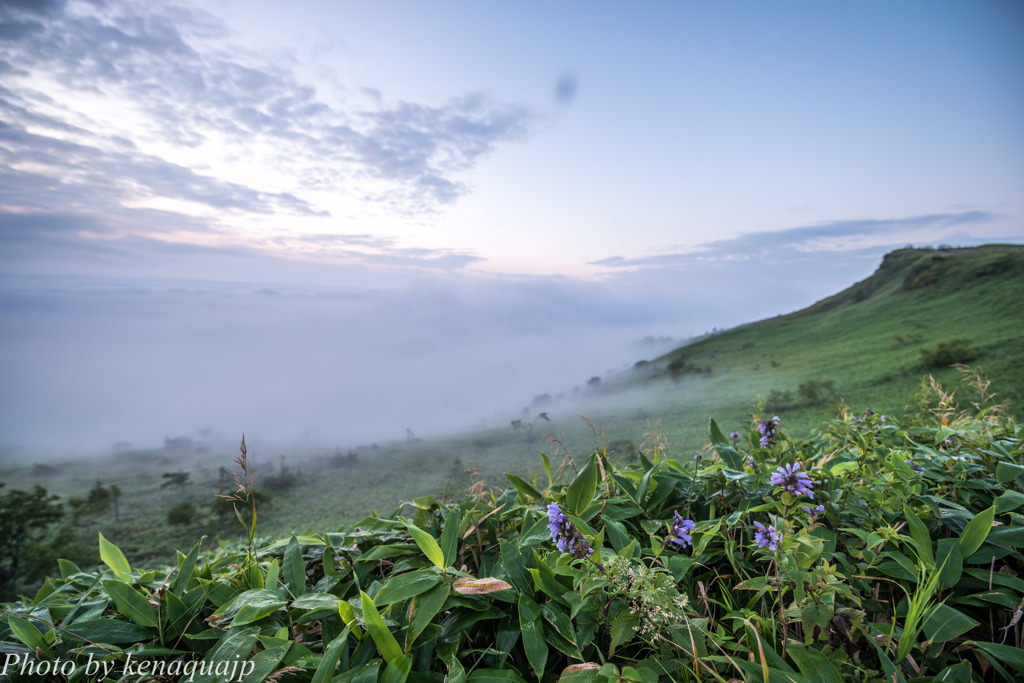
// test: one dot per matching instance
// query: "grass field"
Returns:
(868, 346)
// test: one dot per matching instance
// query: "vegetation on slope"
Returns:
(873, 550)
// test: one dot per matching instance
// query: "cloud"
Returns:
(179, 82)
(565, 89)
(871, 236)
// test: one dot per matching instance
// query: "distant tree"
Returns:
(179, 479)
(528, 425)
(541, 401)
(594, 382)
(26, 518)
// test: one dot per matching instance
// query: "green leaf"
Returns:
(547, 467)
(1009, 500)
(728, 454)
(814, 665)
(946, 623)
(919, 532)
(947, 556)
(397, 670)
(386, 643)
(515, 566)
(130, 602)
(424, 608)
(294, 568)
(404, 586)
(26, 632)
(523, 487)
(266, 662)
(110, 631)
(1006, 654)
(251, 605)
(428, 545)
(115, 559)
(533, 634)
(233, 646)
(188, 566)
(495, 676)
(976, 530)
(325, 670)
(584, 485)
(1006, 471)
(450, 535)
(623, 627)
(316, 601)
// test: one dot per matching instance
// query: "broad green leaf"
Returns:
(919, 532)
(1008, 500)
(185, 570)
(234, 646)
(265, 662)
(316, 601)
(729, 455)
(130, 602)
(1006, 654)
(976, 530)
(363, 674)
(424, 608)
(624, 625)
(404, 586)
(533, 634)
(251, 605)
(428, 545)
(514, 563)
(115, 559)
(325, 670)
(294, 568)
(111, 631)
(584, 485)
(523, 486)
(947, 556)
(388, 647)
(814, 665)
(397, 670)
(1006, 471)
(450, 535)
(946, 623)
(26, 632)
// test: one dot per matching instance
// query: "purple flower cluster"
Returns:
(735, 436)
(681, 529)
(566, 536)
(793, 480)
(767, 536)
(869, 421)
(768, 433)
(914, 466)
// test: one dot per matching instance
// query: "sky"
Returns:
(339, 220)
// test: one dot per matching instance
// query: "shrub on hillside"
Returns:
(949, 352)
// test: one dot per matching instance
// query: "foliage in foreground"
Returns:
(873, 550)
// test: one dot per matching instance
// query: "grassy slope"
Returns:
(923, 297)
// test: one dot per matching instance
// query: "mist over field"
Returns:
(90, 362)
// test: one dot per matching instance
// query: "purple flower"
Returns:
(790, 478)
(698, 455)
(566, 536)
(681, 528)
(814, 512)
(768, 433)
(735, 436)
(767, 536)
(914, 465)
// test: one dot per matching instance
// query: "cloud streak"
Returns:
(835, 236)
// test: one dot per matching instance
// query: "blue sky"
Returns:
(481, 188)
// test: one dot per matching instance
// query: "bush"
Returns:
(948, 353)
(182, 514)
